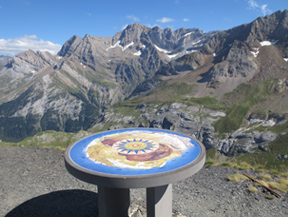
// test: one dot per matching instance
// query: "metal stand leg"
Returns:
(159, 201)
(113, 202)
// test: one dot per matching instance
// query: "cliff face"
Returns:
(237, 49)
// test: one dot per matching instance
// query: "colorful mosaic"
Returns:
(134, 146)
(135, 151)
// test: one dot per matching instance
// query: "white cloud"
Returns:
(132, 17)
(262, 8)
(186, 20)
(165, 20)
(17, 45)
(252, 4)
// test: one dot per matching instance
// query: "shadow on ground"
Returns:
(64, 203)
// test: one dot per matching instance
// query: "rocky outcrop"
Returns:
(185, 63)
(196, 122)
(20, 72)
(70, 46)
(235, 50)
(28, 62)
(266, 28)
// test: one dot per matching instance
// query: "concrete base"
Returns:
(159, 201)
(113, 202)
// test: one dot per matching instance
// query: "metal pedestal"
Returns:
(115, 202)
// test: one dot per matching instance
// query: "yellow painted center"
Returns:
(135, 145)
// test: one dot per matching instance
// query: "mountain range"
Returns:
(67, 92)
(227, 88)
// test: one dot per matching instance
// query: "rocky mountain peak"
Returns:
(132, 33)
(136, 27)
(166, 40)
(28, 62)
(69, 46)
(168, 32)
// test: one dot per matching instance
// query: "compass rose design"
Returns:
(135, 146)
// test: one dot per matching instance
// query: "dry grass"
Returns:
(265, 176)
(241, 166)
(253, 189)
(209, 163)
(244, 166)
(284, 174)
(278, 186)
(236, 177)
(263, 183)
(270, 197)
(283, 181)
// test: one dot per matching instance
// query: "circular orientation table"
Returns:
(118, 160)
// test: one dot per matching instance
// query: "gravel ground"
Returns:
(34, 182)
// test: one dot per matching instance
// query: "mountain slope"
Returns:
(232, 94)
(235, 56)
(68, 92)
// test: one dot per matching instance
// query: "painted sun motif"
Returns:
(135, 146)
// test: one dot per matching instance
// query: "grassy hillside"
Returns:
(49, 139)
(240, 103)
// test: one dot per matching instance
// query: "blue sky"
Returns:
(48, 24)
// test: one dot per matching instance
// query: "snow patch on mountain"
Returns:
(138, 53)
(189, 33)
(83, 65)
(268, 43)
(115, 45)
(256, 52)
(161, 50)
(128, 45)
(191, 51)
(170, 56)
(173, 55)
(263, 43)
(118, 45)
